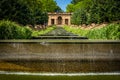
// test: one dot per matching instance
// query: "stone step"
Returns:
(60, 37)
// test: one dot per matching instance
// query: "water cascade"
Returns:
(57, 55)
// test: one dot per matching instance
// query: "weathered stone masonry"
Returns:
(59, 18)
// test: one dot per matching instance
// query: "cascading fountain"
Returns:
(58, 55)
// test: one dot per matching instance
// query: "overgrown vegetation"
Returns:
(94, 11)
(11, 30)
(43, 31)
(111, 31)
(27, 12)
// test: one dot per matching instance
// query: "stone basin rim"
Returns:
(60, 74)
(57, 41)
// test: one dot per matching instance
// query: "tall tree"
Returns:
(96, 11)
(58, 9)
(14, 10)
(49, 5)
(23, 11)
(75, 1)
(82, 4)
(105, 10)
(70, 8)
(79, 17)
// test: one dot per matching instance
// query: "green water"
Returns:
(18, 77)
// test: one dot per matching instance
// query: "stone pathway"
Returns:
(59, 31)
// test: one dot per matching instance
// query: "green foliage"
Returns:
(80, 14)
(38, 15)
(23, 11)
(49, 5)
(104, 11)
(70, 8)
(81, 4)
(79, 17)
(44, 31)
(58, 9)
(75, 1)
(96, 11)
(14, 10)
(10, 30)
(111, 31)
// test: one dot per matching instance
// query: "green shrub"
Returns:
(111, 31)
(79, 17)
(11, 30)
(41, 32)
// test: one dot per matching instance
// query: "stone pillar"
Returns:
(63, 23)
(69, 23)
(55, 21)
(49, 21)
(63, 20)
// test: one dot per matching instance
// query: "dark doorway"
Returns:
(52, 21)
(59, 20)
(66, 21)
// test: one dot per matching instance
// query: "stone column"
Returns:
(49, 21)
(55, 21)
(69, 22)
(63, 20)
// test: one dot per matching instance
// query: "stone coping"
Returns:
(61, 41)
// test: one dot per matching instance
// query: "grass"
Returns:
(41, 32)
(111, 31)
(27, 77)
(12, 30)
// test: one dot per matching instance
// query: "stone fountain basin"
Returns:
(60, 55)
(60, 49)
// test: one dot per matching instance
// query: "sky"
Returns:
(63, 4)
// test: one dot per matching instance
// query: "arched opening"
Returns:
(66, 21)
(52, 21)
(59, 20)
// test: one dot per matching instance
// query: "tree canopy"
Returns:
(50, 6)
(75, 1)
(96, 11)
(27, 11)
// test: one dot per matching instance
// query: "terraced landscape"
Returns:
(51, 54)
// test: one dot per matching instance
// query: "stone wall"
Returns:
(59, 18)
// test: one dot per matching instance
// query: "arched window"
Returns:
(66, 21)
(52, 21)
(59, 20)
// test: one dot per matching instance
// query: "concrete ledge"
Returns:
(62, 41)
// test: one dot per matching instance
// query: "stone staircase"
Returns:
(59, 33)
